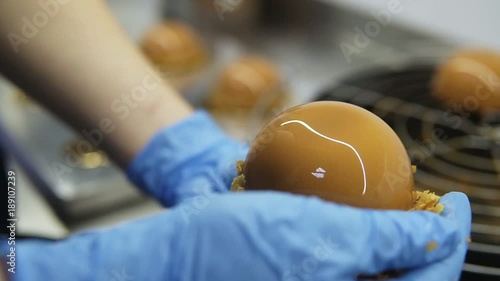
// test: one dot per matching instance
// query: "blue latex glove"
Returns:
(189, 158)
(246, 236)
(259, 236)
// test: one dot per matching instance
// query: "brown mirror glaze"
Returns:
(336, 151)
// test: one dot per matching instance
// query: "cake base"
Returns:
(423, 200)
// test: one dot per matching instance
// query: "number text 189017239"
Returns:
(11, 221)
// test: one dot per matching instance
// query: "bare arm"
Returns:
(77, 61)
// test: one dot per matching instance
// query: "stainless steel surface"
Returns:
(74, 191)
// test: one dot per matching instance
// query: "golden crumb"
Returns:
(414, 168)
(431, 246)
(424, 200)
(240, 165)
(427, 201)
(239, 181)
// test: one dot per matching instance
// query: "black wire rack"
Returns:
(453, 151)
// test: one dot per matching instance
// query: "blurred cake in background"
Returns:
(469, 81)
(176, 49)
(246, 84)
(246, 94)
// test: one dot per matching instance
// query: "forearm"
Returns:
(81, 65)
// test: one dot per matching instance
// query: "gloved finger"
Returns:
(405, 240)
(209, 176)
(448, 269)
(457, 208)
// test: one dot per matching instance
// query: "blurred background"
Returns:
(247, 60)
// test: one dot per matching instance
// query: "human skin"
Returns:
(81, 65)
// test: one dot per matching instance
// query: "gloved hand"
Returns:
(249, 236)
(260, 236)
(185, 159)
